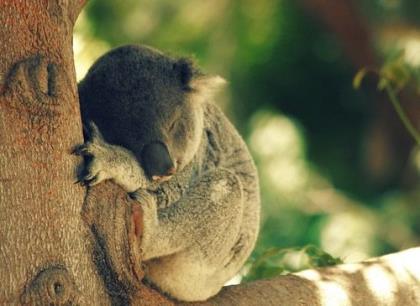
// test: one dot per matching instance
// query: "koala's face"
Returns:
(148, 103)
(176, 140)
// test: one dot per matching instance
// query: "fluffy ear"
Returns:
(207, 83)
(205, 86)
(193, 80)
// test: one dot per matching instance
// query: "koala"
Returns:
(153, 129)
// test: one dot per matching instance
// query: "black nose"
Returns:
(156, 160)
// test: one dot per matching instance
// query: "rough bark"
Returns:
(115, 221)
(389, 280)
(46, 248)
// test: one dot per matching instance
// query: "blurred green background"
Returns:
(338, 169)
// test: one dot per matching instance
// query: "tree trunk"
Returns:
(61, 244)
(46, 248)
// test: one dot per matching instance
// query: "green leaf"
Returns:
(382, 84)
(320, 258)
(358, 78)
(272, 262)
(396, 72)
(270, 271)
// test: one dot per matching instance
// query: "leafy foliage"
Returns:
(395, 75)
(276, 261)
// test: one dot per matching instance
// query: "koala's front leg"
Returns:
(105, 161)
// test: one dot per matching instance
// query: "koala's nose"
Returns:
(156, 161)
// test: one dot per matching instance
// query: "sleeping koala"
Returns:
(153, 130)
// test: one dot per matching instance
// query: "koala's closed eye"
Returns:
(173, 125)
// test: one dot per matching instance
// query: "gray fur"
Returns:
(201, 225)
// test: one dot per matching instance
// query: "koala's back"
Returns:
(225, 149)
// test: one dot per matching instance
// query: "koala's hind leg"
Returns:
(192, 240)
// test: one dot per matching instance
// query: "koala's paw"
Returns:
(95, 166)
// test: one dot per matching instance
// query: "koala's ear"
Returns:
(207, 84)
(185, 70)
(192, 79)
(204, 87)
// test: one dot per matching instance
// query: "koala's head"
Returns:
(149, 103)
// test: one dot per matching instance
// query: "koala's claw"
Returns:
(92, 181)
(82, 150)
(77, 150)
(103, 161)
(93, 171)
(92, 174)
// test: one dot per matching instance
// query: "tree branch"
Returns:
(389, 280)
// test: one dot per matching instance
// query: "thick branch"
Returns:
(389, 280)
